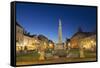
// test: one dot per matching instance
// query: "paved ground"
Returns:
(57, 60)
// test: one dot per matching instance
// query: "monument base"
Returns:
(59, 46)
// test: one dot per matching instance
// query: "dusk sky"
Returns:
(44, 19)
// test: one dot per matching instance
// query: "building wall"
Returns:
(80, 37)
(89, 42)
(30, 42)
(19, 33)
(19, 38)
(75, 40)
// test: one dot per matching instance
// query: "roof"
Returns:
(18, 25)
(86, 34)
(26, 34)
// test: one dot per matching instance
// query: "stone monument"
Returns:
(60, 44)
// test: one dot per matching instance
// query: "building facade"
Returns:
(25, 41)
(89, 43)
(19, 37)
(79, 37)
